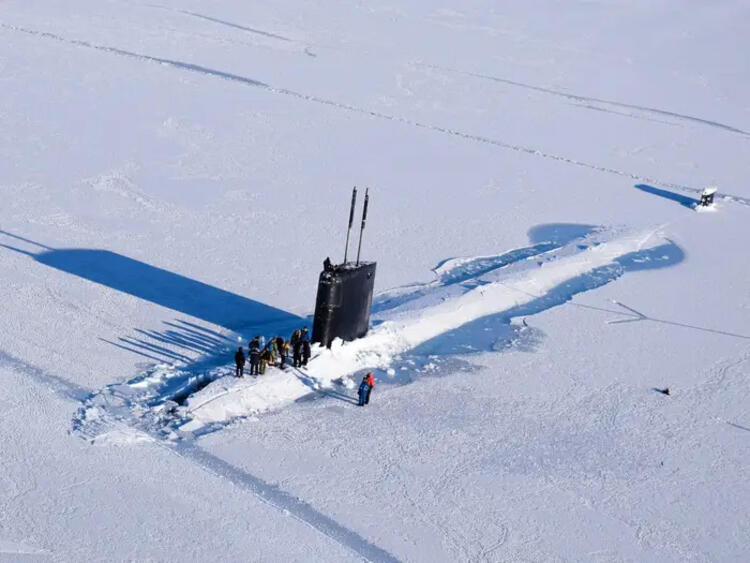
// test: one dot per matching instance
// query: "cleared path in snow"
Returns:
(518, 289)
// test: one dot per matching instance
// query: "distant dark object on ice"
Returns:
(707, 197)
(664, 391)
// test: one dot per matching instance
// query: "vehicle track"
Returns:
(590, 99)
(207, 71)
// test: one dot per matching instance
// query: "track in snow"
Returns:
(190, 67)
(216, 20)
(293, 506)
(54, 383)
(264, 491)
(233, 25)
(593, 100)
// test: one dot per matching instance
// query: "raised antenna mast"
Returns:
(364, 219)
(351, 221)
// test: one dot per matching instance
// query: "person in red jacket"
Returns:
(371, 383)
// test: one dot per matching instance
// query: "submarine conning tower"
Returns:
(344, 300)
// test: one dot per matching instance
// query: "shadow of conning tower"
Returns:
(344, 301)
(156, 285)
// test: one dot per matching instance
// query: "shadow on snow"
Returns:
(181, 339)
(156, 285)
(499, 333)
(544, 238)
(683, 200)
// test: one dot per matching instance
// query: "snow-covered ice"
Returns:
(172, 175)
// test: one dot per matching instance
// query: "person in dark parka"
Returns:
(239, 362)
(296, 348)
(265, 358)
(305, 340)
(283, 349)
(254, 352)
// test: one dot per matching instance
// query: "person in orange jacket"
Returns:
(365, 388)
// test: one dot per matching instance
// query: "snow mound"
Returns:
(412, 326)
(426, 317)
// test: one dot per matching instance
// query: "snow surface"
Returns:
(172, 175)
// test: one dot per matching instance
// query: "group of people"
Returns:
(274, 352)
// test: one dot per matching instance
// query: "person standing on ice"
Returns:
(296, 348)
(239, 362)
(370, 384)
(283, 347)
(305, 341)
(265, 358)
(253, 350)
(273, 345)
(364, 391)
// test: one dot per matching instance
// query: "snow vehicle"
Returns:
(707, 197)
